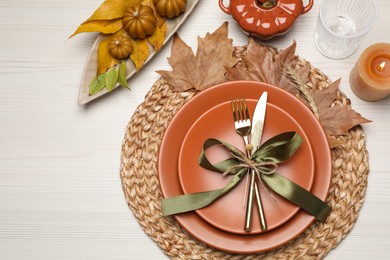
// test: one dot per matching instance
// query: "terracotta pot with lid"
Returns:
(265, 18)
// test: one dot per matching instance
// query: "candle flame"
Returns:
(381, 66)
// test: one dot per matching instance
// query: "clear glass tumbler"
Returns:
(341, 26)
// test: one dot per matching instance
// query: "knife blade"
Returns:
(256, 133)
(258, 121)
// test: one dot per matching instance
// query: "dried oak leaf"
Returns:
(207, 68)
(265, 66)
(336, 120)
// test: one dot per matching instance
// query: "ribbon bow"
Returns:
(264, 161)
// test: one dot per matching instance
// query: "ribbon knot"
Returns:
(250, 164)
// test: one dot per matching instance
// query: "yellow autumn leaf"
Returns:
(105, 60)
(102, 26)
(158, 37)
(111, 9)
(140, 52)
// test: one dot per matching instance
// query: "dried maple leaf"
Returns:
(207, 68)
(336, 120)
(263, 65)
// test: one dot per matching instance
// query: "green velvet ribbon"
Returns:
(264, 162)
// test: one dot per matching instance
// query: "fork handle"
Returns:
(253, 190)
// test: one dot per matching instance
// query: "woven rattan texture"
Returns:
(140, 183)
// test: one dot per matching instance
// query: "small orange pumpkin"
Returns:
(120, 47)
(170, 8)
(139, 21)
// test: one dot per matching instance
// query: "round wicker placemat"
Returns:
(141, 186)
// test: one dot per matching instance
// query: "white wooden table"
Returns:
(60, 190)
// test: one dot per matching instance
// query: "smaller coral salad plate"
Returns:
(228, 212)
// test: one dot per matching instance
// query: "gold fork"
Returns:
(242, 124)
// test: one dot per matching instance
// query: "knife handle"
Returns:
(263, 223)
(254, 190)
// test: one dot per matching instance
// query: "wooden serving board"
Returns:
(90, 67)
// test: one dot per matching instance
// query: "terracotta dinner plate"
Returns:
(228, 212)
(169, 156)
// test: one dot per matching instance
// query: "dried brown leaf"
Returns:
(207, 68)
(335, 119)
(262, 65)
(239, 74)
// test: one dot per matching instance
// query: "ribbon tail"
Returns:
(189, 202)
(194, 201)
(297, 195)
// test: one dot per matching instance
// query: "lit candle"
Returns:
(370, 77)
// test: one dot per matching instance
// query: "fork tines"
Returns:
(240, 109)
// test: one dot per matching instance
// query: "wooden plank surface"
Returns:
(60, 191)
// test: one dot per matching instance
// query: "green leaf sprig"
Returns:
(109, 79)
